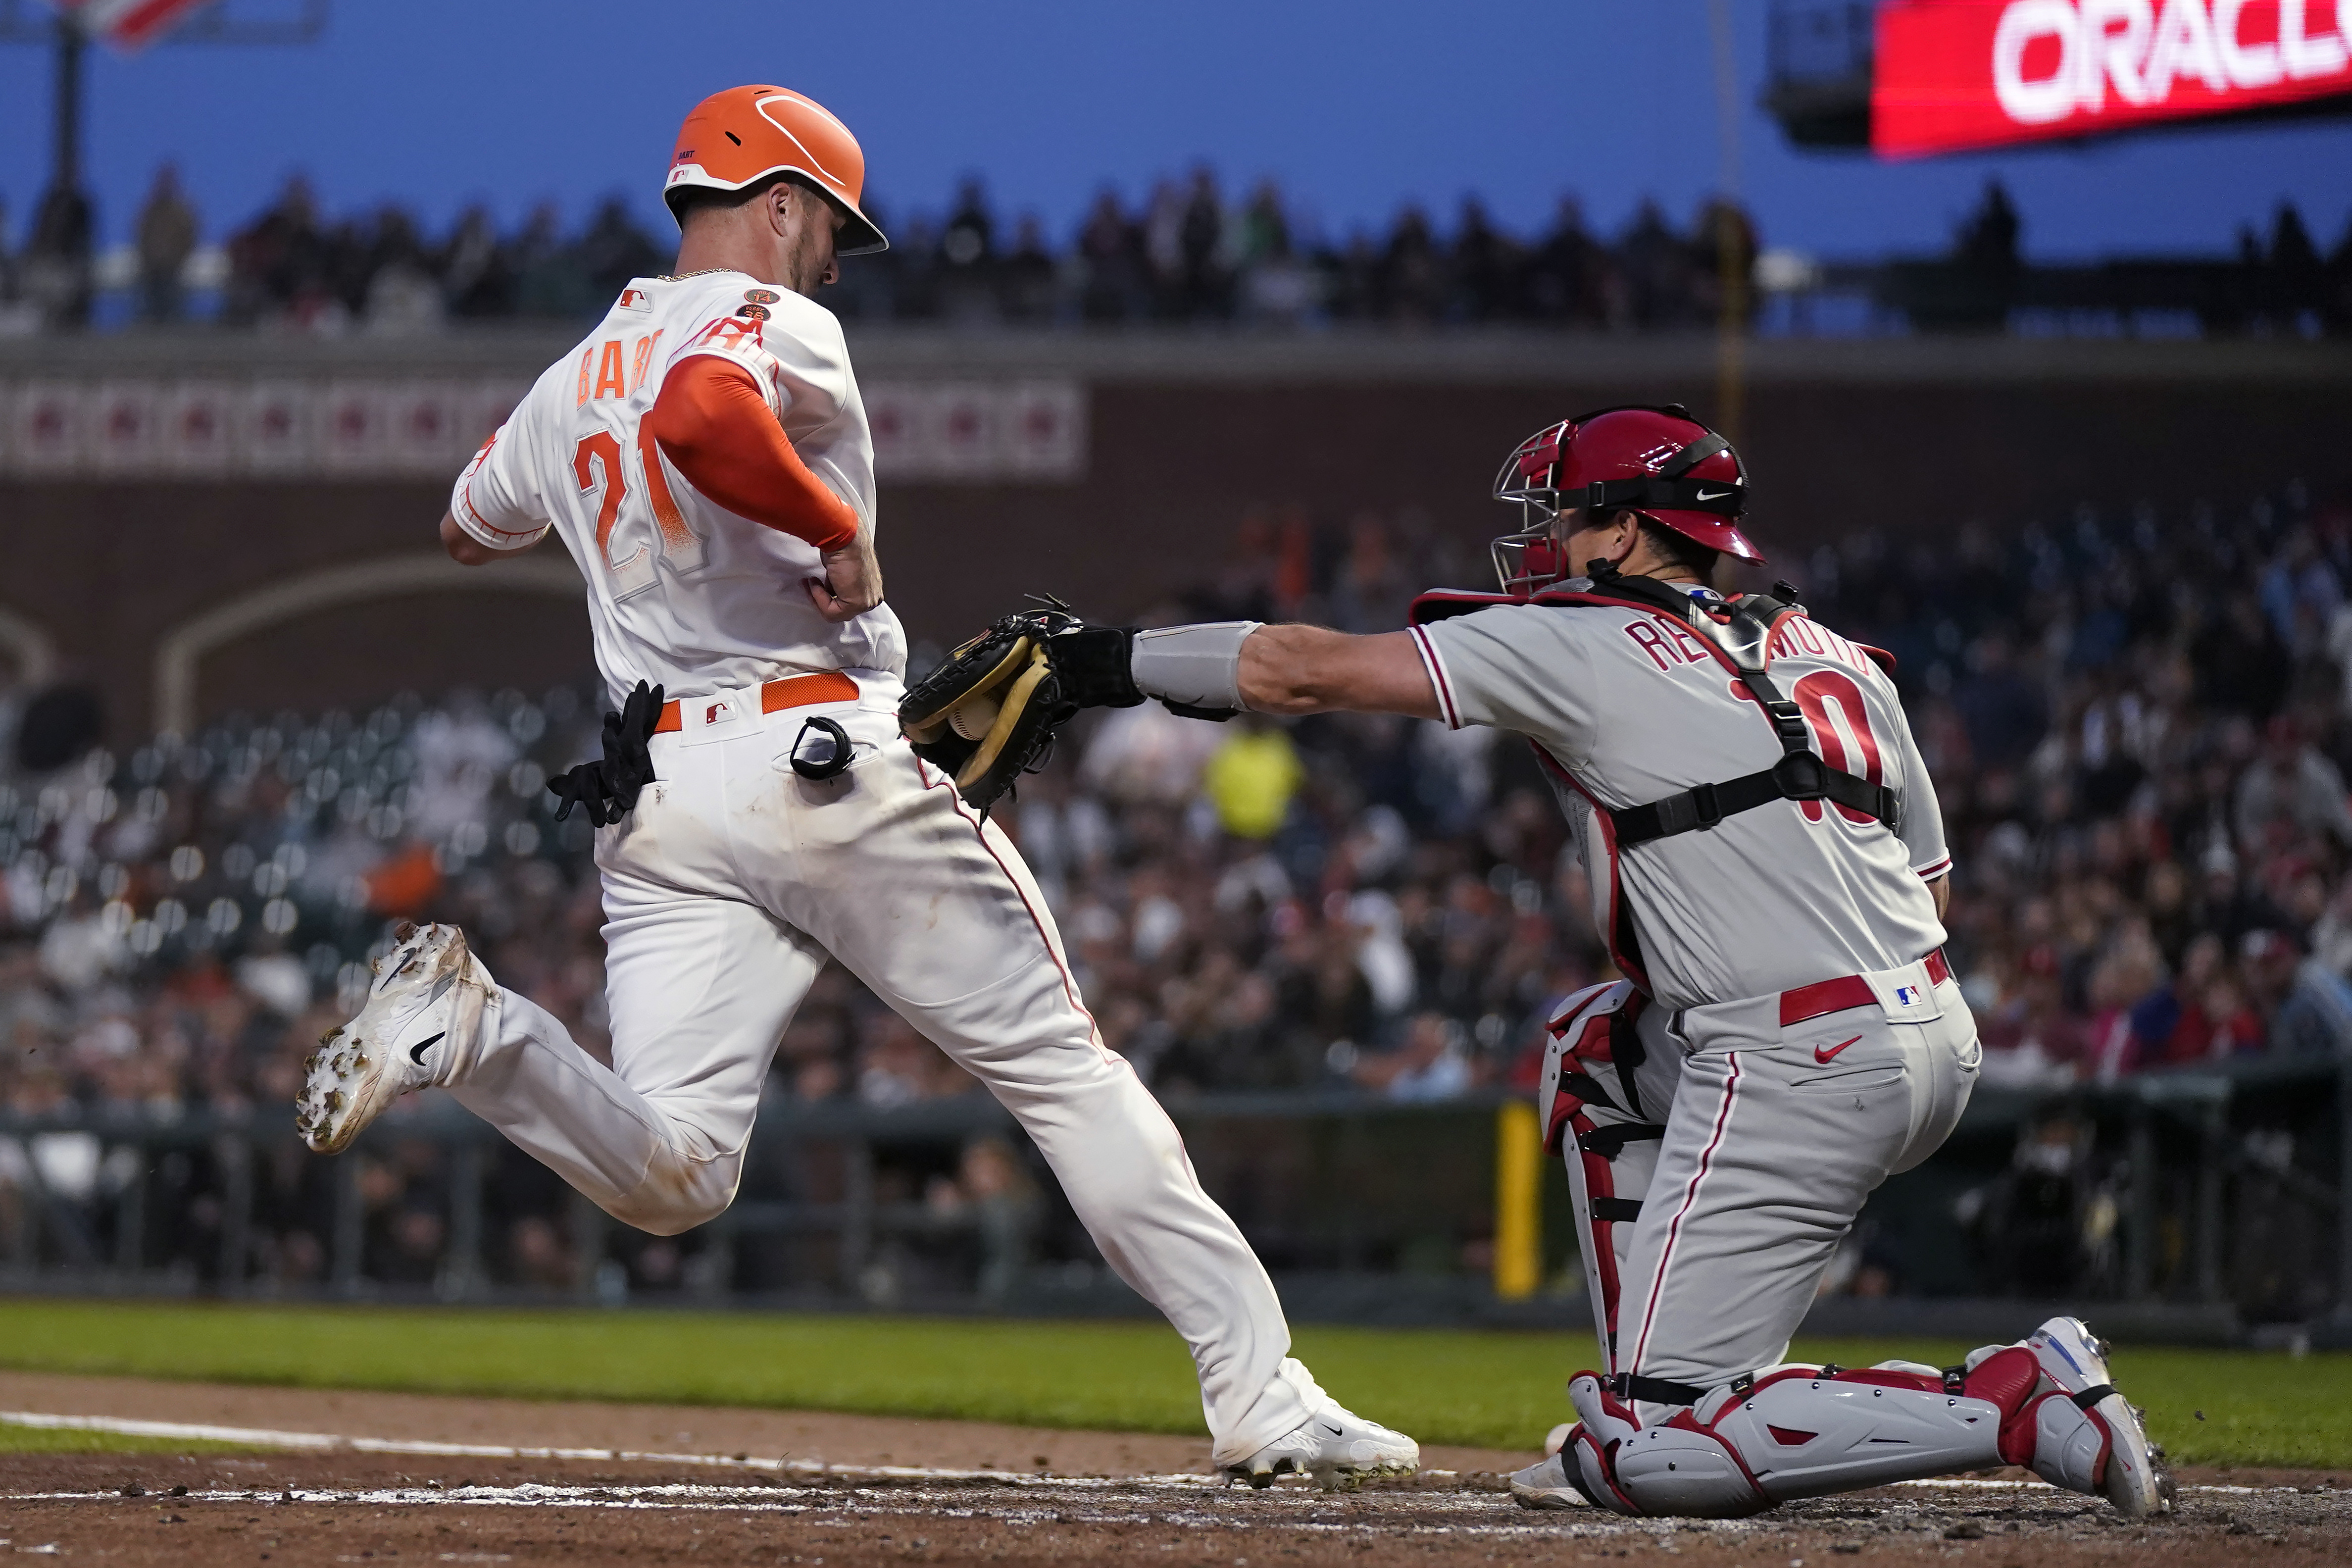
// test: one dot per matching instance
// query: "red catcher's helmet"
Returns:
(733, 138)
(1657, 460)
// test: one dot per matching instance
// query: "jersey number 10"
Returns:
(597, 464)
(1825, 697)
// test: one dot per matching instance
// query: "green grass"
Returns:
(1490, 1389)
(15, 1439)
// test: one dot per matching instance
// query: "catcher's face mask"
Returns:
(1533, 557)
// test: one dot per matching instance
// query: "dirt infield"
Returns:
(829, 1491)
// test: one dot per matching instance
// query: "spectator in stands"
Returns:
(476, 270)
(55, 271)
(1658, 268)
(2290, 790)
(1486, 268)
(276, 260)
(2310, 1005)
(2242, 665)
(1430, 1065)
(1564, 282)
(1986, 253)
(2005, 714)
(165, 240)
(1275, 285)
(1112, 249)
(1027, 278)
(1207, 287)
(967, 252)
(1410, 285)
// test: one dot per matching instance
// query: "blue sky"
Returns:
(1354, 107)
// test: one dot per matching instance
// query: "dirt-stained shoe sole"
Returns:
(361, 1069)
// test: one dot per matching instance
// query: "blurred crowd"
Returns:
(1189, 252)
(2139, 725)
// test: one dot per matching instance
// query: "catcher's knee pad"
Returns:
(1677, 1468)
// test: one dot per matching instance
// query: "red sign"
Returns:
(127, 24)
(1954, 74)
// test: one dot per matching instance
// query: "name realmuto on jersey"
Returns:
(1671, 645)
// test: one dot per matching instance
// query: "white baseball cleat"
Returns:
(1336, 1448)
(423, 1016)
(1548, 1484)
(2134, 1476)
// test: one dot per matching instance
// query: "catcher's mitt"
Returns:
(990, 713)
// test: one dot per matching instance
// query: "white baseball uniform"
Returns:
(1788, 1035)
(735, 876)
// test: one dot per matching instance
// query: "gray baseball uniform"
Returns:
(1801, 1039)
(1624, 706)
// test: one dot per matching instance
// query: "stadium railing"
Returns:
(2191, 1153)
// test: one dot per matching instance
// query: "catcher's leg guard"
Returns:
(1807, 1432)
(1799, 1431)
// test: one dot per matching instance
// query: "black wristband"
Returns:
(1095, 666)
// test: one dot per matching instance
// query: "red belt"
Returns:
(1808, 1001)
(792, 691)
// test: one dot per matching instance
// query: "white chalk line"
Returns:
(537, 1494)
(325, 1442)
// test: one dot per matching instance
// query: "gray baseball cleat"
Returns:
(1548, 1484)
(423, 1018)
(1336, 1448)
(2127, 1469)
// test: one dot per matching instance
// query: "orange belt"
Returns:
(1809, 1001)
(792, 691)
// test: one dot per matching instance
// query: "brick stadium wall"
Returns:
(1915, 438)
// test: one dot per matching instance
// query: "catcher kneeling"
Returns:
(1767, 866)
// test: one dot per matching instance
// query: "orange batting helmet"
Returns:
(736, 138)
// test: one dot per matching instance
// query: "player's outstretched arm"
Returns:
(1215, 668)
(1295, 669)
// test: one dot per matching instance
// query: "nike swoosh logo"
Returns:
(1821, 1056)
(416, 1051)
(1335, 1431)
(1709, 495)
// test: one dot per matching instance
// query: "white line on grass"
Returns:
(320, 1442)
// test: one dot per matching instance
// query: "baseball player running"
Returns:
(705, 457)
(1767, 865)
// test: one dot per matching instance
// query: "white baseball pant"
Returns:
(725, 889)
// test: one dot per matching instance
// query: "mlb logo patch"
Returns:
(1908, 995)
(719, 713)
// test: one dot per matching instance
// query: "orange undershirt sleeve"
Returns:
(717, 430)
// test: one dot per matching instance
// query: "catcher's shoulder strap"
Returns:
(1739, 632)
(1443, 603)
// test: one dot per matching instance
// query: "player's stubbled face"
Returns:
(1578, 541)
(814, 264)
